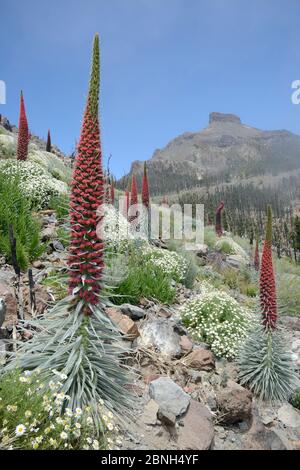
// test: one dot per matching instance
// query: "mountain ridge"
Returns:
(226, 150)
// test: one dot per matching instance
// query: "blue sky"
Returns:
(165, 65)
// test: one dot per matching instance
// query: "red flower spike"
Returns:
(268, 300)
(87, 189)
(145, 188)
(23, 136)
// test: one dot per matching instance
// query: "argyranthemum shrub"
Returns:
(35, 182)
(50, 162)
(144, 280)
(115, 229)
(31, 417)
(230, 247)
(217, 319)
(169, 262)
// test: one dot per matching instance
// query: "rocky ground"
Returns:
(185, 397)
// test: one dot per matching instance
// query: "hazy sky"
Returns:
(165, 65)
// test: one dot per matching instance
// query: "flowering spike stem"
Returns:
(268, 300)
(23, 136)
(48, 145)
(145, 188)
(87, 188)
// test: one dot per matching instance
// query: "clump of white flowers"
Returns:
(49, 422)
(217, 319)
(35, 182)
(170, 262)
(115, 229)
(229, 246)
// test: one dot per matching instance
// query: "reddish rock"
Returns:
(38, 264)
(185, 344)
(123, 322)
(164, 312)
(200, 359)
(197, 432)
(42, 298)
(7, 293)
(235, 403)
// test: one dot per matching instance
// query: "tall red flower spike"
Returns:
(48, 145)
(134, 193)
(133, 200)
(268, 299)
(145, 188)
(256, 255)
(86, 250)
(23, 136)
(218, 228)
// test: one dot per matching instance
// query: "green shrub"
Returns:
(30, 417)
(144, 279)
(210, 237)
(288, 281)
(217, 319)
(15, 211)
(63, 235)
(295, 400)
(60, 203)
(230, 247)
(191, 267)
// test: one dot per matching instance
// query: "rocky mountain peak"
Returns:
(221, 117)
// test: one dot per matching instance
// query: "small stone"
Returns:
(7, 294)
(48, 233)
(159, 334)
(200, 359)
(169, 396)
(135, 313)
(164, 312)
(197, 433)
(38, 265)
(150, 413)
(235, 403)
(57, 245)
(185, 344)
(124, 323)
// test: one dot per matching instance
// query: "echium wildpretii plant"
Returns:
(219, 228)
(48, 144)
(145, 188)
(76, 338)
(265, 364)
(23, 134)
